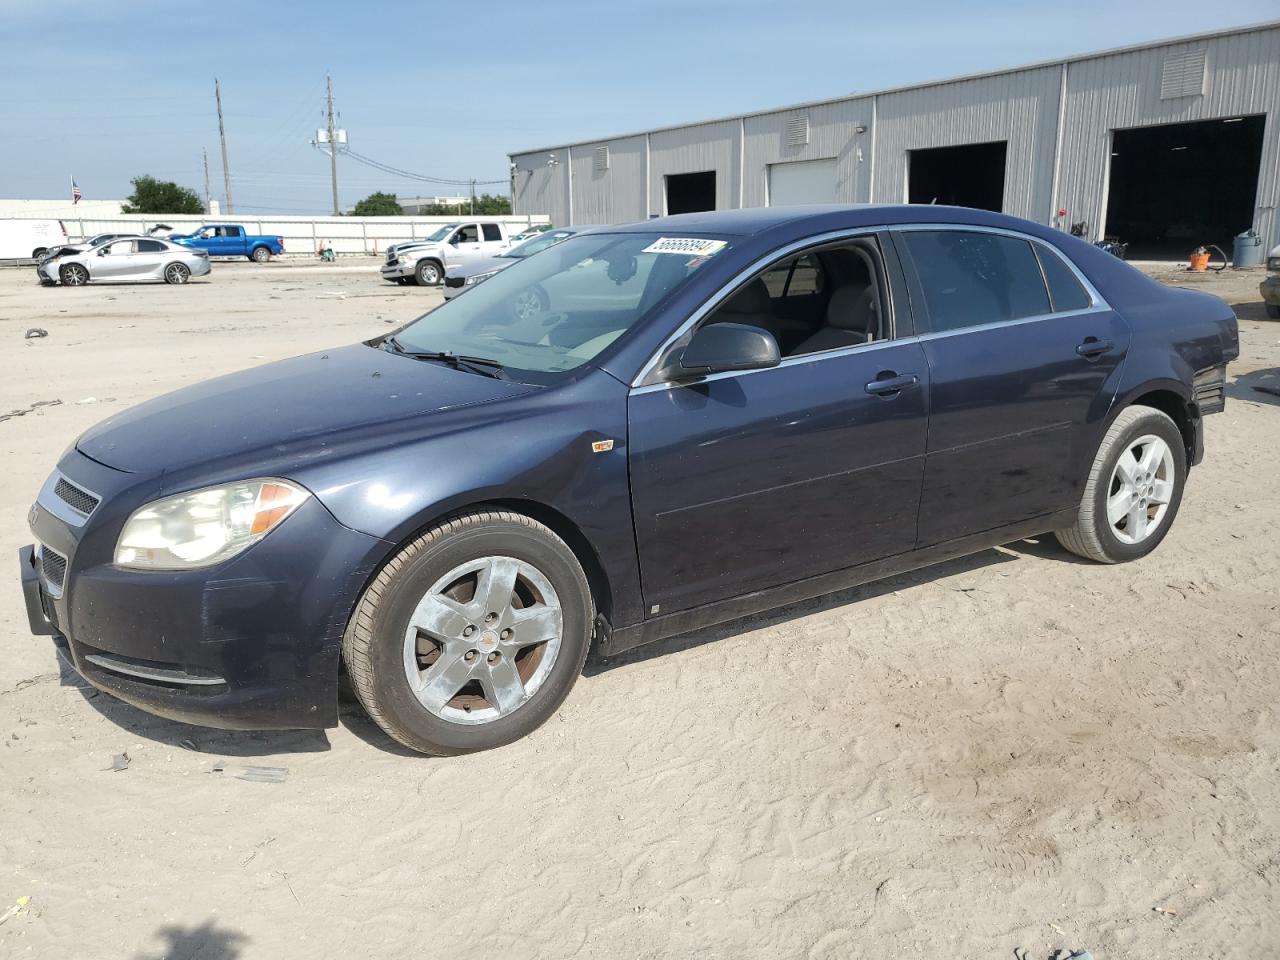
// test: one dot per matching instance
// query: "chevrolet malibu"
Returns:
(717, 414)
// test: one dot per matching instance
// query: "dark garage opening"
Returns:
(1179, 185)
(691, 192)
(968, 176)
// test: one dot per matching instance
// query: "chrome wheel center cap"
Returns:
(488, 640)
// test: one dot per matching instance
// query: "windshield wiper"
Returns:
(481, 365)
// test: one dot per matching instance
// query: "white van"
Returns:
(28, 239)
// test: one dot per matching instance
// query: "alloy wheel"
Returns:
(176, 273)
(483, 639)
(1142, 486)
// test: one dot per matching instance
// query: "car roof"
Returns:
(819, 217)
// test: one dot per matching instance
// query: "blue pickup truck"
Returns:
(230, 240)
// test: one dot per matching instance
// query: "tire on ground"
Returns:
(1092, 536)
(373, 644)
(428, 273)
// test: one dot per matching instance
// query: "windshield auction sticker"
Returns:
(686, 246)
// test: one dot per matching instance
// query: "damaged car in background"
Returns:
(124, 260)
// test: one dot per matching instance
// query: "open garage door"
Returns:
(802, 181)
(968, 176)
(1179, 185)
(691, 192)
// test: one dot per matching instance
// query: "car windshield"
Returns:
(534, 244)
(546, 315)
(439, 234)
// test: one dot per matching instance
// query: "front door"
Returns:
(465, 245)
(115, 261)
(1023, 359)
(744, 481)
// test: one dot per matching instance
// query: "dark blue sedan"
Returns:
(716, 414)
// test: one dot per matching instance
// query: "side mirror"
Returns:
(455, 239)
(102, 252)
(722, 347)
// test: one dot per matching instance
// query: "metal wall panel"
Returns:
(1123, 90)
(615, 195)
(540, 188)
(831, 136)
(1019, 107)
(707, 146)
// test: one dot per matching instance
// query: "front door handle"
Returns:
(1093, 348)
(889, 383)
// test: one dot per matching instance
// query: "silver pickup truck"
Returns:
(424, 262)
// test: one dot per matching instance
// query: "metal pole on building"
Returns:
(333, 147)
(205, 154)
(222, 136)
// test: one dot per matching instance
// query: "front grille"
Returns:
(54, 566)
(81, 501)
(391, 256)
(455, 281)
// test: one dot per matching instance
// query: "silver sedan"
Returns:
(124, 260)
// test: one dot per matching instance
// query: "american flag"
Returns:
(75, 192)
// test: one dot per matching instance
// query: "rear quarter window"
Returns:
(1065, 291)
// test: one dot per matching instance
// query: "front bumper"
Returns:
(1270, 290)
(250, 644)
(401, 268)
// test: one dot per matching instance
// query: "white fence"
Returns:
(303, 236)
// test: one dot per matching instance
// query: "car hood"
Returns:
(304, 407)
(477, 267)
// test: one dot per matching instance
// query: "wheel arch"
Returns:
(1172, 398)
(260, 246)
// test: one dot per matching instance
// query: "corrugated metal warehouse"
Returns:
(1165, 146)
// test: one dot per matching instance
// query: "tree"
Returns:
(161, 196)
(378, 205)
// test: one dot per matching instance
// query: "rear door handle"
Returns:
(888, 383)
(1093, 347)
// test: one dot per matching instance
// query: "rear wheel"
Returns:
(1134, 489)
(428, 273)
(73, 275)
(176, 273)
(472, 635)
(260, 255)
(39, 252)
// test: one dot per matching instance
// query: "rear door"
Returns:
(148, 259)
(492, 240)
(233, 242)
(745, 481)
(1023, 360)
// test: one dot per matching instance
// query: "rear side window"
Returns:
(150, 246)
(491, 232)
(974, 278)
(1065, 290)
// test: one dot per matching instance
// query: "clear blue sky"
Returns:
(106, 91)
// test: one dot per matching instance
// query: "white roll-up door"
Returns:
(802, 181)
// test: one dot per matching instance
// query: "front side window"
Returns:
(825, 300)
(468, 234)
(546, 315)
(492, 234)
(970, 279)
(120, 248)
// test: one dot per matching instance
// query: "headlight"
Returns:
(204, 527)
(479, 278)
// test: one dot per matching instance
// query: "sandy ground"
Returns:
(1016, 749)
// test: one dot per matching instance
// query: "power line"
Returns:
(408, 175)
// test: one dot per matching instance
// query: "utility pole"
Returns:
(473, 196)
(333, 147)
(205, 154)
(222, 135)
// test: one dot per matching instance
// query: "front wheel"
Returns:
(1134, 489)
(472, 635)
(260, 255)
(176, 273)
(428, 273)
(73, 275)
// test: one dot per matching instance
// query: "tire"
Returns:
(177, 273)
(260, 254)
(73, 275)
(1143, 510)
(1273, 311)
(477, 546)
(530, 303)
(39, 252)
(428, 273)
